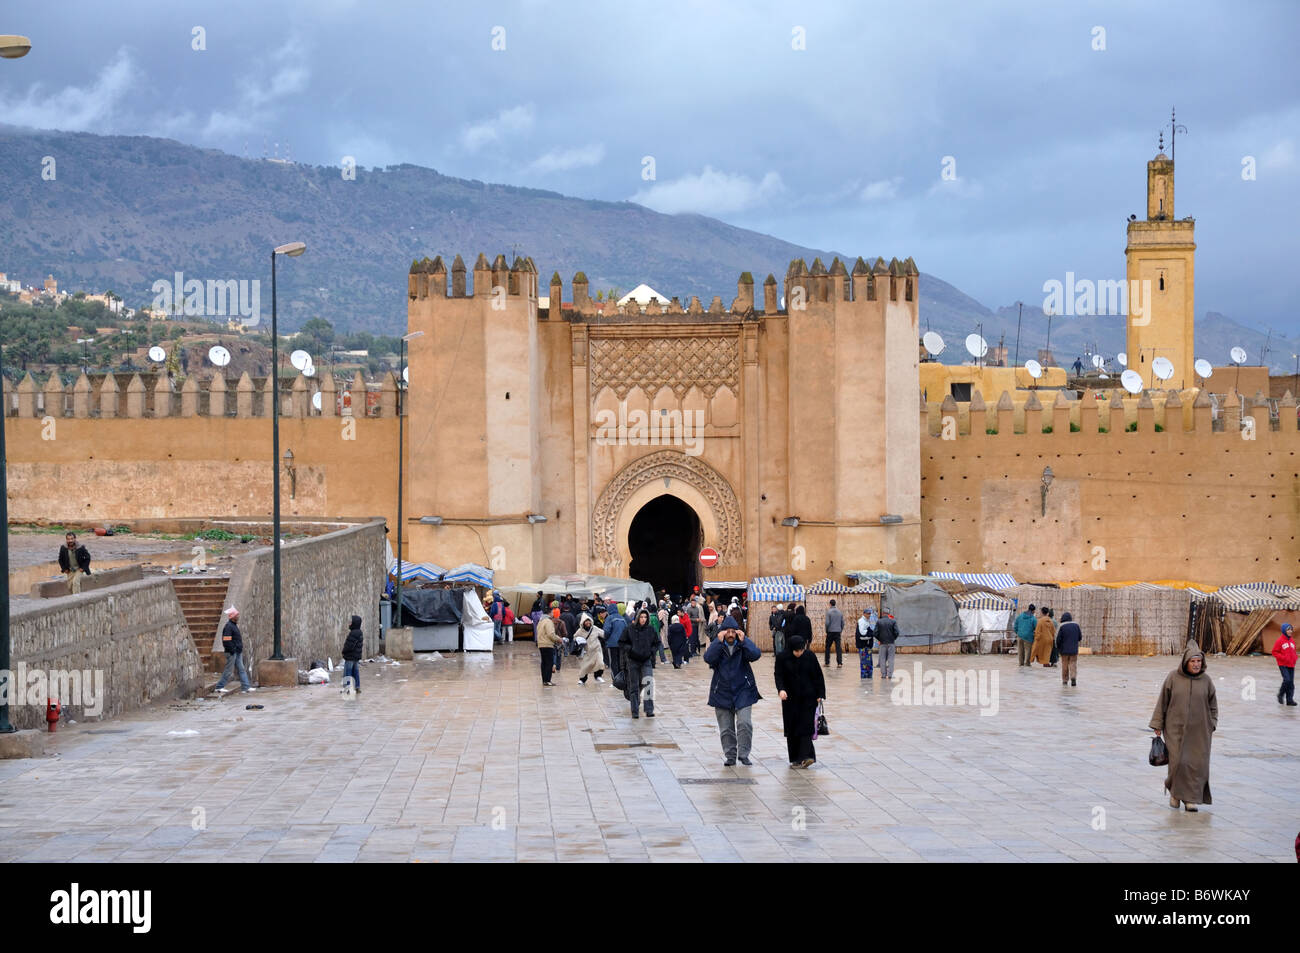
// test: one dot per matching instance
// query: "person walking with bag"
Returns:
(733, 691)
(1187, 714)
(865, 639)
(548, 641)
(352, 648)
(802, 687)
(593, 656)
(639, 644)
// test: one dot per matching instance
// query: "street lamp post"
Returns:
(401, 412)
(11, 48)
(292, 250)
(85, 353)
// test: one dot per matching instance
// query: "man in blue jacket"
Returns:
(615, 626)
(1024, 625)
(733, 692)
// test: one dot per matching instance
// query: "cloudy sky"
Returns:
(826, 123)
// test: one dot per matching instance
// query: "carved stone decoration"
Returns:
(667, 465)
(677, 362)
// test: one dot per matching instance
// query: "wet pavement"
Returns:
(467, 757)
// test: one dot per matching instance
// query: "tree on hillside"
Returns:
(315, 337)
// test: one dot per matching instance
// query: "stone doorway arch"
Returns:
(674, 473)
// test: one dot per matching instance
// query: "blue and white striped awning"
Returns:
(470, 572)
(993, 580)
(769, 581)
(876, 586)
(775, 589)
(827, 587)
(1150, 587)
(982, 600)
(724, 584)
(425, 572)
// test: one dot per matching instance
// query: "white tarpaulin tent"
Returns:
(584, 586)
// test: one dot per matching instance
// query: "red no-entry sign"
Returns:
(708, 558)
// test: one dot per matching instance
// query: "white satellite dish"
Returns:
(309, 370)
(1034, 368)
(1163, 368)
(406, 375)
(315, 400)
(157, 354)
(1104, 377)
(1132, 381)
(299, 359)
(933, 343)
(1098, 361)
(218, 355)
(1203, 368)
(1122, 358)
(1238, 355)
(976, 346)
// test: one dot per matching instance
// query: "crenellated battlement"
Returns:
(804, 286)
(1110, 414)
(212, 395)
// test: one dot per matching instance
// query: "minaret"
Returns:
(1161, 282)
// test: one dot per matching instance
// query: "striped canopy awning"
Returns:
(827, 587)
(1261, 595)
(775, 589)
(724, 584)
(993, 580)
(425, 572)
(982, 600)
(872, 585)
(472, 573)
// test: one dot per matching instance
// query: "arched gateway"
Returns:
(641, 485)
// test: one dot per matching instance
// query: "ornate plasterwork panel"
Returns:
(680, 363)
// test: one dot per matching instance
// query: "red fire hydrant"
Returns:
(52, 711)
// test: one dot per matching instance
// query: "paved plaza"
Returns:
(468, 758)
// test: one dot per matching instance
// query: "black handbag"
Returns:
(1159, 753)
(822, 727)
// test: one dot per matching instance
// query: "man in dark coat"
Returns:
(677, 641)
(639, 644)
(232, 642)
(887, 635)
(775, 624)
(800, 683)
(1187, 713)
(733, 691)
(615, 628)
(74, 560)
(799, 625)
(352, 647)
(1068, 637)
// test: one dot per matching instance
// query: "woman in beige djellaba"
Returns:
(1187, 713)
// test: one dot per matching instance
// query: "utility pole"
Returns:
(1020, 310)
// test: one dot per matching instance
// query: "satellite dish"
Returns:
(1163, 368)
(157, 354)
(976, 346)
(1132, 381)
(1122, 358)
(1203, 368)
(300, 359)
(218, 355)
(933, 343)
(309, 370)
(1104, 377)
(1098, 361)
(406, 375)
(315, 400)
(1238, 355)
(1034, 368)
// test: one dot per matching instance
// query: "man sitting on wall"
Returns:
(74, 560)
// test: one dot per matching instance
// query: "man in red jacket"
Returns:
(1285, 653)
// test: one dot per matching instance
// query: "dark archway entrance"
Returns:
(665, 541)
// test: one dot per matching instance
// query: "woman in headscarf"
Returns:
(638, 645)
(677, 640)
(1187, 714)
(593, 655)
(1044, 636)
(801, 686)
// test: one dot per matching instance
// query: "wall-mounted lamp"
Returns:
(431, 520)
(536, 518)
(293, 474)
(890, 518)
(790, 521)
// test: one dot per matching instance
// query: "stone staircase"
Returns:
(202, 601)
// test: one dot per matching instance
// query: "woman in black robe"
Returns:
(801, 686)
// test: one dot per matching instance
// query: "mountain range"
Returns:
(121, 212)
